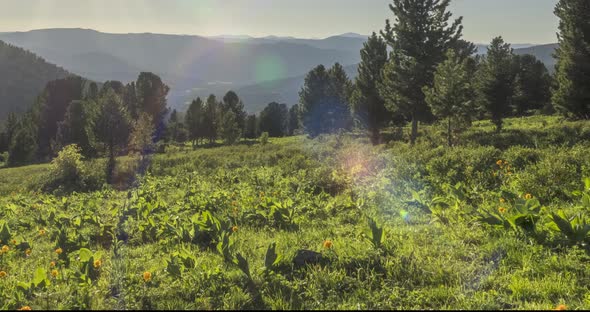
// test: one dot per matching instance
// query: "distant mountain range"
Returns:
(260, 70)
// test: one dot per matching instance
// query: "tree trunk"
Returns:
(375, 135)
(414, 134)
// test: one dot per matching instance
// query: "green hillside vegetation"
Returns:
(23, 76)
(473, 227)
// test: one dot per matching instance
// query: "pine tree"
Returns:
(23, 146)
(229, 128)
(112, 126)
(293, 119)
(251, 127)
(312, 101)
(232, 102)
(274, 120)
(141, 139)
(451, 96)
(572, 95)
(194, 122)
(338, 95)
(367, 105)
(151, 97)
(495, 81)
(532, 86)
(77, 128)
(211, 119)
(419, 40)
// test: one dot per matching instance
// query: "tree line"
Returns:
(432, 74)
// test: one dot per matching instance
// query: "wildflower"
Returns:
(5, 248)
(2, 274)
(59, 251)
(28, 252)
(54, 273)
(97, 263)
(234, 203)
(528, 196)
(502, 200)
(328, 244)
(234, 228)
(25, 308)
(502, 209)
(561, 307)
(52, 264)
(41, 232)
(505, 163)
(147, 276)
(499, 162)
(14, 241)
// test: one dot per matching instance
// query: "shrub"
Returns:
(68, 173)
(264, 138)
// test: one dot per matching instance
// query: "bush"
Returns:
(67, 172)
(264, 138)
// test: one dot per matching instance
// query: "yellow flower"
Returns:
(505, 163)
(234, 228)
(28, 252)
(528, 196)
(59, 251)
(54, 273)
(234, 203)
(52, 264)
(25, 308)
(147, 276)
(5, 248)
(2, 274)
(502, 200)
(502, 209)
(499, 162)
(14, 241)
(41, 232)
(97, 263)
(561, 307)
(328, 244)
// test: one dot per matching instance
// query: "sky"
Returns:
(518, 21)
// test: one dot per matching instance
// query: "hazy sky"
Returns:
(518, 21)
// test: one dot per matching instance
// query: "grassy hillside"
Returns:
(464, 228)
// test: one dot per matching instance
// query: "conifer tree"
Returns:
(194, 121)
(419, 38)
(211, 119)
(367, 105)
(495, 81)
(451, 96)
(572, 95)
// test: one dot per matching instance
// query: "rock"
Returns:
(304, 257)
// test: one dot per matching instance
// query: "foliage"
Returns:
(274, 119)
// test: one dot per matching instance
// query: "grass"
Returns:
(298, 193)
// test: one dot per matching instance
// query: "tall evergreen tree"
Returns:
(211, 119)
(572, 95)
(532, 85)
(451, 96)
(274, 120)
(51, 108)
(77, 128)
(251, 131)
(10, 127)
(229, 129)
(141, 139)
(194, 122)
(232, 102)
(130, 100)
(367, 105)
(495, 81)
(23, 146)
(151, 98)
(324, 100)
(112, 126)
(293, 119)
(419, 39)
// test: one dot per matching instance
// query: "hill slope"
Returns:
(22, 76)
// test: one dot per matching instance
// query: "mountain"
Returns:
(184, 62)
(23, 75)
(543, 52)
